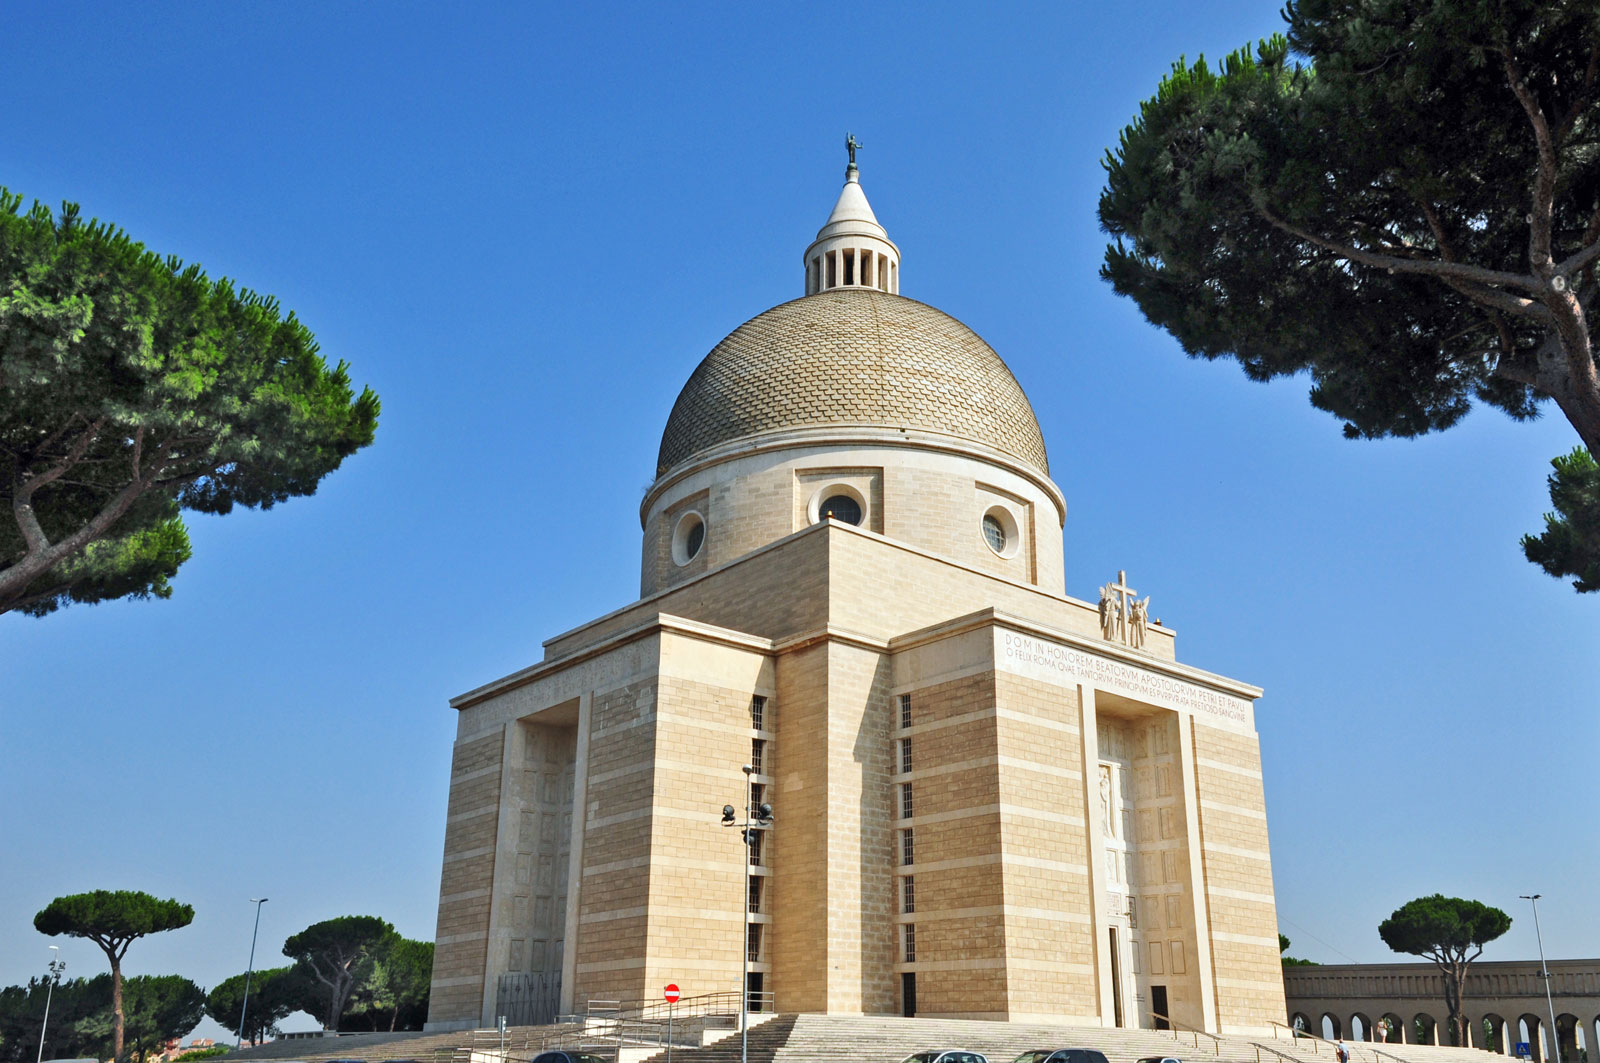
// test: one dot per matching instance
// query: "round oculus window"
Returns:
(994, 533)
(840, 507)
(688, 536)
(1000, 532)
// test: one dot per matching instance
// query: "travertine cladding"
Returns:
(461, 941)
(833, 571)
(1238, 875)
(852, 357)
(928, 499)
(639, 723)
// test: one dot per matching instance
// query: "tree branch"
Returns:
(1544, 183)
(1425, 267)
(74, 454)
(1569, 266)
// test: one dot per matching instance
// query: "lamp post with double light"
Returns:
(755, 816)
(249, 970)
(1544, 971)
(57, 965)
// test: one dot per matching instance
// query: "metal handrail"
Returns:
(1174, 1025)
(1260, 1048)
(1352, 1046)
(1295, 1033)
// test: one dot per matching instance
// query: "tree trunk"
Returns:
(116, 1007)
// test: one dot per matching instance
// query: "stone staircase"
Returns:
(882, 1039)
(521, 1041)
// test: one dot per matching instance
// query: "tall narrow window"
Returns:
(905, 755)
(908, 847)
(758, 751)
(911, 942)
(755, 893)
(758, 713)
(753, 942)
(908, 894)
(905, 801)
(758, 794)
(905, 710)
(756, 837)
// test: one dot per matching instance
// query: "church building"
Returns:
(988, 799)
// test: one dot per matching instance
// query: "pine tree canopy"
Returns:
(133, 387)
(1398, 198)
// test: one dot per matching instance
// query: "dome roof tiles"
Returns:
(852, 357)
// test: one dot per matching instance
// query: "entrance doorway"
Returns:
(1158, 1004)
(908, 994)
(1116, 978)
(755, 984)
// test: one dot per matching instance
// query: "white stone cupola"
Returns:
(851, 249)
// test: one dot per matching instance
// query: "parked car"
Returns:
(569, 1057)
(1160, 1059)
(1062, 1055)
(942, 1055)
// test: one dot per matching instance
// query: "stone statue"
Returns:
(1138, 622)
(1108, 612)
(850, 145)
(1105, 801)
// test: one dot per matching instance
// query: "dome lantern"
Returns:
(851, 249)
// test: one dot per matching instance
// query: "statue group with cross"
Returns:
(1124, 617)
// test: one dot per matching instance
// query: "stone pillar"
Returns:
(1090, 745)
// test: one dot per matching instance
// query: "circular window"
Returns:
(994, 533)
(999, 529)
(688, 536)
(840, 507)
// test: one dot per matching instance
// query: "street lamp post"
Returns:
(57, 965)
(249, 970)
(1555, 1031)
(754, 816)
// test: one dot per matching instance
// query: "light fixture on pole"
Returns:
(57, 965)
(1555, 1031)
(754, 816)
(249, 970)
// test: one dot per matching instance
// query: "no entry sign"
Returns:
(671, 994)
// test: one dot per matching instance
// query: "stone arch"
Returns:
(1531, 1030)
(1425, 1029)
(1360, 1027)
(1392, 1029)
(1495, 1037)
(1569, 1035)
(1301, 1022)
(1332, 1029)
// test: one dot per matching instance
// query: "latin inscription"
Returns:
(1053, 662)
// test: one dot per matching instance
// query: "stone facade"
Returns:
(984, 806)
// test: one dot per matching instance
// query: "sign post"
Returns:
(671, 993)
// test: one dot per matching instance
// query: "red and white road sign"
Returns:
(671, 994)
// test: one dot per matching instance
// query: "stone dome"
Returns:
(852, 357)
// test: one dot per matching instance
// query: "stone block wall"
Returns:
(471, 826)
(1050, 947)
(1238, 879)
(957, 869)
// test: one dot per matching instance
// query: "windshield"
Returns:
(922, 1057)
(1038, 1056)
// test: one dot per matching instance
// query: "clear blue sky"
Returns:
(524, 225)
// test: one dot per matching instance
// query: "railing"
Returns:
(1295, 1033)
(1176, 1027)
(1260, 1048)
(607, 1026)
(1353, 1047)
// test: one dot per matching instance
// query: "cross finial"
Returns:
(850, 145)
